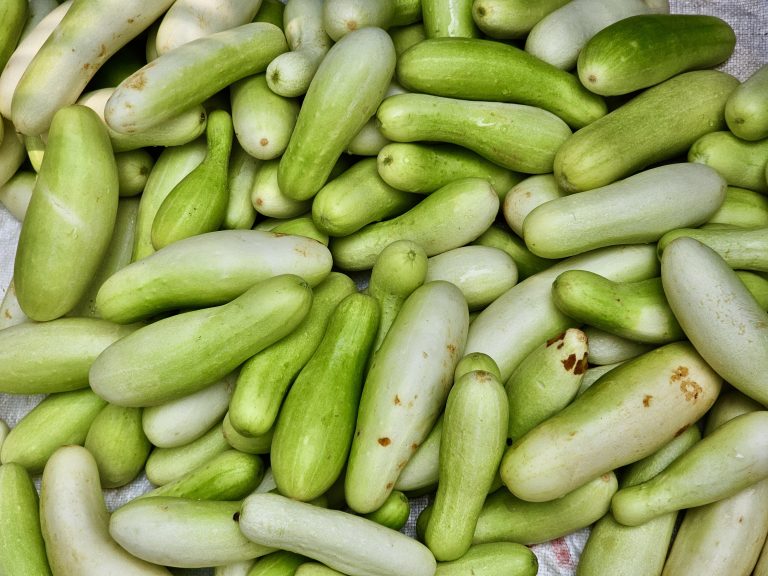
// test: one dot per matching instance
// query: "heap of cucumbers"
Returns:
(285, 267)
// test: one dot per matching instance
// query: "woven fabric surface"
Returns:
(749, 18)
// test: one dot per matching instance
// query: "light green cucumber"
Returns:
(593, 374)
(12, 152)
(358, 197)
(314, 429)
(267, 198)
(634, 310)
(472, 444)
(746, 111)
(316, 569)
(407, 12)
(405, 390)
(646, 49)
(180, 421)
(70, 217)
(453, 67)
(75, 521)
(263, 120)
(403, 37)
(519, 137)
(481, 273)
(345, 92)
(394, 512)
(492, 559)
(423, 468)
(55, 356)
(500, 236)
(340, 17)
(623, 142)
(22, 549)
(13, 16)
(145, 369)
(637, 209)
(717, 313)
(524, 196)
(448, 218)
(198, 203)
(265, 378)
(191, 272)
(240, 568)
(608, 348)
(506, 19)
(368, 141)
(448, 18)
(280, 563)
(165, 465)
(16, 193)
(118, 444)
(346, 542)
(60, 419)
(546, 381)
(133, 168)
(757, 285)
(519, 320)
(302, 225)
(35, 146)
(10, 311)
(701, 475)
(741, 207)
(422, 169)
(162, 88)
(741, 162)
(628, 414)
(243, 167)
(741, 248)
(505, 517)
(183, 532)
(261, 444)
(271, 11)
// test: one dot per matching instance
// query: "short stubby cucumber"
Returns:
(448, 218)
(746, 111)
(741, 162)
(526, 195)
(511, 18)
(515, 136)
(453, 67)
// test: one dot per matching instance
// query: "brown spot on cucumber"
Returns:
(690, 390)
(398, 402)
(425, 355)
(415, 446)
(569, 362)
(581, 365)
(483, 376)
(7, 314)
(385, 441)
(390, 485)
(592, 78)
(351, 25)
(683, 429)
(452, 349)
(647, 400)
(137, 81)
(559, 338)
(264, 141)
(387, 160)
(679, 373)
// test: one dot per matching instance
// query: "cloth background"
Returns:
(749, 18)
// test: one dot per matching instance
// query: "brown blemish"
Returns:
(264, 141)
(357, 433)
(647, 400)
(103, 50)
(679, 373)
(387, 160)
(397, 400)
(483, 376)
(137, 81)
(572, 433)
(401, 464)
(130, 20)
(605, 477)
(451, 349)
(351, 25)
(390, 485)
(7, 314)
(385, 441)
(415, 446)
(741, 519)
(683, 429)
(592, 78)
(557, 338)
(581, 365)
(569, 362)
(425, 355)
(690, 390)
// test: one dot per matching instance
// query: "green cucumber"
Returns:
(394, 512)
(312, 435)
(741, 207)
(191, 272)
(403, 37)
(145, 369)
(302, 225)
(405, 390)
(511, 18)
(646, 49)
(16, 193)
(358, 197)
(527, 195)
(501, 237)
(492, 559)
(280, 563)
(448, 218)
(13, 16)
(515, 136)
(70, 218)
(741, 248)
(265, 378)
(316, 569)
(757, 285)
(453, 67)
(267, 198)
(261, 444)
(472, 444)
(407, 12)
(133, 167)
(243, 168)
(448, 18)
(423, 468)
(340, 17)
(623, 142)
(628, 414)
(741, 162)
(345, 92)
(745, 110)
(607, 348)
(424, 168)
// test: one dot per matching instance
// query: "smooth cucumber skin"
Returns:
(69, 221)
(184, 353)
(645, 49)
(515, 136)
(741, 162)
(741, 248)
(344, 93)
(506, 19)
(746, 111)
(623, 141)
(492, 559)
(317, 419)
(453, 67)
(448, 218)
(448, 19)
(13, 16)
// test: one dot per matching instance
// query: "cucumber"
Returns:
(348, 86)
(646, 49)
(280, 563)
(524, 196)
(628, 414)
(405, 390)
(741, 248)
(70, 218)
(501, 237)
(16, 193)
(267, 198)
(423, 468)
(189, 273)
(506, 19)
(623, 142)
(607, 348)
(243, 168)
(394, 512)
(145, 368)
(355, 546)
(12, 152)
(316, 569)
(407, 12)
(492, 559)
(83, 40)
(312, 434)
(717, 313)
(745, 110)
(453, 67)
(515, 136)
(403, 37)
(75, 521)
(191, 74)
(448, 218)
(741, 162)
(13, 15)
(448, 18)
(261, 444)
(358, 197)
(741, 207)
(133, 167)
(341, 17)
(757, 285)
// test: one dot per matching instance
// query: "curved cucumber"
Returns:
(453, 67)
(741, 162)
(623, 141)
(746, 111)
(511, 18)
(524, 196)
(515, 136)
(645, 49)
